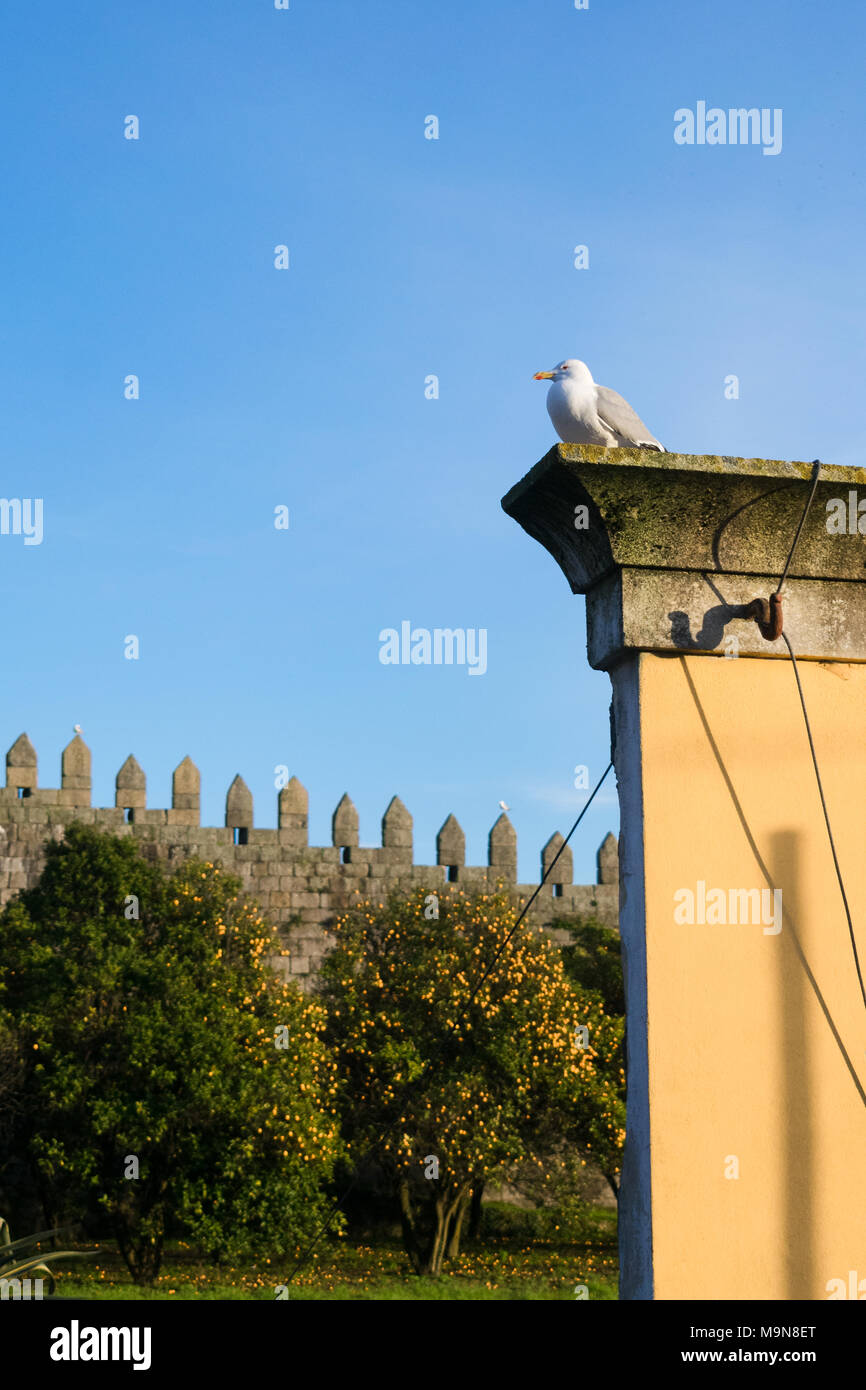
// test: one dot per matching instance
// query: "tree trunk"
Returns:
(145, 1260)
(475, 1215)
(427, 1258)
(407, 1226)
(46, 1201)
(437, 1244)
(457, 1223)
(448, 1217)
(142, 1259)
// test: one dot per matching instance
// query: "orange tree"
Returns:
(451, 1070)
(170, 1078)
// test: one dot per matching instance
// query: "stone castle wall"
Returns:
(299, 886)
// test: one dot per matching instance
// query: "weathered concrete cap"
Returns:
(672, 547)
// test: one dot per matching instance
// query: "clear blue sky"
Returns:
(408, 257)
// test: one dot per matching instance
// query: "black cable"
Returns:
(816, 469)
(827, 818)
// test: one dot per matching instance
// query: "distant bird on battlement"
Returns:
(585, 413)
(504, 807)
(76, 728)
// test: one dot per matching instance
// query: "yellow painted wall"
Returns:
(757, 1043)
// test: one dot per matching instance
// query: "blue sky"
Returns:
(305, 387)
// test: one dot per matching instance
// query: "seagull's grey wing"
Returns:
(618, 415)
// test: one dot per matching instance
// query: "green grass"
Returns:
(510, 1264)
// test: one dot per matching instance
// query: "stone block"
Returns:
(292, 839)
(392, 856)
(472, 878)
(263, 836)
(309, 946)
(244, 854)
(325, 854)
(73, 797)
(355, 869)
(288, 838)
(318, 883)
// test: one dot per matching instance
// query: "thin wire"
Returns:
(816, 469)
(827, 818)
(376, 1142)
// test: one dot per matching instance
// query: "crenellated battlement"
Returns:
(299, 886)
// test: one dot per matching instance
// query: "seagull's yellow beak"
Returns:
(544, 376)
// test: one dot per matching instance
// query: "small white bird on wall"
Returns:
(584, 413)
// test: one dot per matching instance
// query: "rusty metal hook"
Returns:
(768, 615)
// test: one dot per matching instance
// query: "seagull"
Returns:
(76, 728)
(504, 807)
(585, 413)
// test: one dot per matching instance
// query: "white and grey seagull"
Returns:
(585, 413)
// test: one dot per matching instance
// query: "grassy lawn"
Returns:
(510, 1265)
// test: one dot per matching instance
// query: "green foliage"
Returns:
(12, 1071)
(593, 961)
(154, 1038)
(441, 1057)
(554, 1224)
